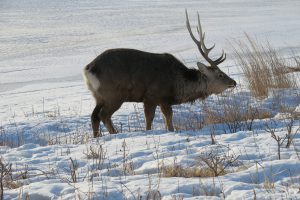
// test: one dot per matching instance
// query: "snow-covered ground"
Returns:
(45, 106)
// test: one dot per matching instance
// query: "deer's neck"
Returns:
(189, 91)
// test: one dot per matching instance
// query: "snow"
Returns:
(45, 106)
(146, 151)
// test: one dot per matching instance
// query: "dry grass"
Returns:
(235, 112)
(191, 120)
(234, 109)
(179, 171)
(264, 68)
(210, 165)
(296, 67)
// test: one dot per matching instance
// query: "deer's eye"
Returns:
(221, 75)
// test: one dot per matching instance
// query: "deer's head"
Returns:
(218, 81)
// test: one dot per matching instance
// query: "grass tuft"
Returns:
(264, 68)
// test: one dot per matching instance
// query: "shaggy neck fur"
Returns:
(190, 90)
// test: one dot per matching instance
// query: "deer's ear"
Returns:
(202, 67)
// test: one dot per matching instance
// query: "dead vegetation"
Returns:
(192, 120)
(211, 164)
(6, 178)
(264, 68)
(180, 171)
(235, 111)
(279, 139)
(218, 164)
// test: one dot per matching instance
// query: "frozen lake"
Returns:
(51, 41)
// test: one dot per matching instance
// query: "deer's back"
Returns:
(134, 75)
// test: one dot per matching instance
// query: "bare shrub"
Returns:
(279, 139)
(263, 67)
(289, 121)
(211, 164)
(6, 180)
(218, 164)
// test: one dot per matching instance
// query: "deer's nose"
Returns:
(233, 84)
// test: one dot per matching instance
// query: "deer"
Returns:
(155, 79)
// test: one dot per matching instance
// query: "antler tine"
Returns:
(221, 58)
(202, 37)
(198, 43)
(190, 30)
(207, 50)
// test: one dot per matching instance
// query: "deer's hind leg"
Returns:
(106, 112)
(95, 118)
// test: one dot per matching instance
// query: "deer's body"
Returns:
(130, 75)
(127, 75)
